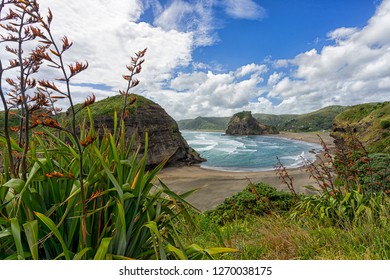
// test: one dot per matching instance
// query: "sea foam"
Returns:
(249, 153)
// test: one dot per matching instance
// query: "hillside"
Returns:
(369, 122)
(318, 120)
(204, 123)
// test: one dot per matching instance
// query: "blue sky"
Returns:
(219, 57)
(286, 29)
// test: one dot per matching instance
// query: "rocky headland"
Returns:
(244, 123)
(165, 140)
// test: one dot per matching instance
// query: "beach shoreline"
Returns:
(214, 186)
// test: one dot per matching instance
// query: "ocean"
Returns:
(249, 153)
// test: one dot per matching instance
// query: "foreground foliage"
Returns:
(277, 236)
(255, 199)
(127, 216)
(70, 192)
(348, 218)
(353, 187)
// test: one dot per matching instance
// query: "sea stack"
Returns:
(244, 123)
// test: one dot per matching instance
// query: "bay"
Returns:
(249, 153)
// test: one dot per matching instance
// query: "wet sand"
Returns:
(213, 186)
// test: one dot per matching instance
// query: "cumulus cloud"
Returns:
(353, 69)
(196, 18)
(274, 78)
(208, 94)
(342, 33)
(107, 34)
(251, 69)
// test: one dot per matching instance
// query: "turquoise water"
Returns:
(249, 153)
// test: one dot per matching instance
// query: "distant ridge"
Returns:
(315, 121)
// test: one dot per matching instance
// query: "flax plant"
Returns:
(19, 25)
(352, 188)
(82, 194)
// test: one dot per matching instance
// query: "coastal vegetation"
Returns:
(67, 190)
(72, 189)
(348, 218)
(370, 124)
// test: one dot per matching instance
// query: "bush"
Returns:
(385, 124)
(255, 199)
(68, 192)
(353, 188)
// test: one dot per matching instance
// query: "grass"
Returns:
(347, 219)
(66, 193)
(107, 106)
(370, 123)
(276, 236)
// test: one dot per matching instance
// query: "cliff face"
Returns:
(165, 139)
(244, 123)
(370, 124)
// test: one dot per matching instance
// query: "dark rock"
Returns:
(165, 140)
(244, 123)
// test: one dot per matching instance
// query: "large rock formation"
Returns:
(244, 123)
(165, 139)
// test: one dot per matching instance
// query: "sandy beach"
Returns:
(214, 186)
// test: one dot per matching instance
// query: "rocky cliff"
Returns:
(369, 123)
(165, 139)
(244, 123)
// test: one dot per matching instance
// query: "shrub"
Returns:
(65, 192)
(353, 187)
(255, 199)
(385, 124)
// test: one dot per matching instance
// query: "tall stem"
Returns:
(25, 115)
(74, 136)
(12, 169)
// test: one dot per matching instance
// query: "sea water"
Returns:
(249, 153)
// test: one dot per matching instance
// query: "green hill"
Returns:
(204, 123)
(318, 120)
(369, 122)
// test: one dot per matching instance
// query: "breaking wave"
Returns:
(249, 153)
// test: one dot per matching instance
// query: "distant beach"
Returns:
(214, 186)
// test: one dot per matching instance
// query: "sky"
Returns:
(220, 57)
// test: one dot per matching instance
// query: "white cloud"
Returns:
(211, 94)
(341, 34)
(174, 15)
(245, 9)
(189, 81)
(195, 17)
(274, 78)
(251, 69)
(106, 34)
(354, 69)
